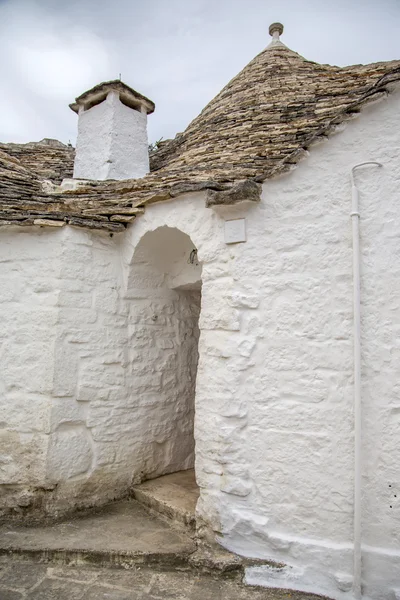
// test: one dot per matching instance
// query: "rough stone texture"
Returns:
(24, 580)
(112, 141)
(48, 159)
(102, 394)
(174, 496)
(28, 312)
(259, 125)
(99, 93)
(268, 113)
(122, 534)
(247, 191)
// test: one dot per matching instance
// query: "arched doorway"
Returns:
(165, 292)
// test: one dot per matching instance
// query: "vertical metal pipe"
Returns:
(357, 394)
(355, 218)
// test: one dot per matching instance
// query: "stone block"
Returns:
(106, 300)
(75, 300)
(244, 300)
(70, 453)
(226, 318)
(66, 411)
(65, 369)
(235, 486)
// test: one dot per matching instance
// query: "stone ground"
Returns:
(123, 551)
(28, 580)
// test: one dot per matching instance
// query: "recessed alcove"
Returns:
(165, 291)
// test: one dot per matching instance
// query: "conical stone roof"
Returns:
(269, 112)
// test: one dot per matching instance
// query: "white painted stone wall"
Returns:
(274, 390)
(112, 142)
(290, 434)
(120, 366)
(28, 315)
(88, 373)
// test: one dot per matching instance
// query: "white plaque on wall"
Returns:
(235, 231)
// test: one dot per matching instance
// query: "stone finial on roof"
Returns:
(275, 30)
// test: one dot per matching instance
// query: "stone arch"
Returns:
(164, 291)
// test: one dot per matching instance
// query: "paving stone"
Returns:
(99, 592)
(136, 579)
(171, 585)
(56, 589)
(9, 595)
(141, 583)
(23, 576)
(75, 573)
(209, 589)
(3, 569)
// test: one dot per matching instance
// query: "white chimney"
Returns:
(112, 133)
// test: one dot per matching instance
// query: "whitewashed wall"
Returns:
(295, 410)
(112, 142)
(89, 378)
(28, 315)
(274, 392)
(125, 367)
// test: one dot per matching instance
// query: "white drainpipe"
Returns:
(355, 217)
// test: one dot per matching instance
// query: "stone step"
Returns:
(174, 496)
(121, 534)
(124, 534)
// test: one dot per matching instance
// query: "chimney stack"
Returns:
(112, 133)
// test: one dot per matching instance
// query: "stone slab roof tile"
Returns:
(99, 92)
(257, 127)
(49, 159)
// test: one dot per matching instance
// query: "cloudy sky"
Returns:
(179, 53)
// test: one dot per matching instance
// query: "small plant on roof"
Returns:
(155, 146)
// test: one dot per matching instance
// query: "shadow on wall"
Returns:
(167, 255)
(164, 289)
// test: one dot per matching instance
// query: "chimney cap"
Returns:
(275, 30)
(127, 95)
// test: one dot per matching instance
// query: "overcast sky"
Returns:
(179, 53)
